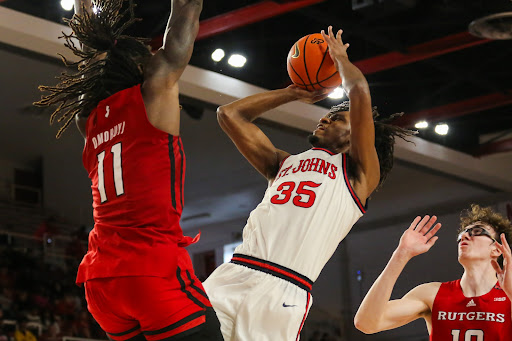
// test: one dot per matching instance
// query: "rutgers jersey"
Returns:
(459, 318)
(306, 212)
(137, 174)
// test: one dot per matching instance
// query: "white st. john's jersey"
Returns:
(305, 213)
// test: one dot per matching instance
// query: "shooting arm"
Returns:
(362, 140)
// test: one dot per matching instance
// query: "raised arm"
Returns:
(236, 120)
(160, 89)
(377, 312)
(181, 31)
(80, 5)
(362, 136)
(504, 274)
(83, 3)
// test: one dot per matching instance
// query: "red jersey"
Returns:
(459, 318)
(137, 174)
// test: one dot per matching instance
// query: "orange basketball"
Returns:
(310, 66)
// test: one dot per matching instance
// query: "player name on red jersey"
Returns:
(310, 165)
(108, 135)
(470, 316)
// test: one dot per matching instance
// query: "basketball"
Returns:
(310, 66)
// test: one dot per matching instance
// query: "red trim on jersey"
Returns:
(325, 150)
(281, 163)
(304, 318)
(273, 269)
(351, 190)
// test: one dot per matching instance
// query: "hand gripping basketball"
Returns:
(310, 65)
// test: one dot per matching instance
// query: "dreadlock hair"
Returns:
(97, 78)
(486, 215)
(385, 134)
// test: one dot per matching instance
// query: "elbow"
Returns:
(363, 326)
(224, 115)
(358, 90)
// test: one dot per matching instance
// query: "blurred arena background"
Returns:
(418, 56)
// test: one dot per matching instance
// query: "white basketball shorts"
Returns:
(257, 300)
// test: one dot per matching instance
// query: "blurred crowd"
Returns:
(39, 301)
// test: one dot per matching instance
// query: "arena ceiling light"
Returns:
(337, 93)
(218, 54)
(67, 5)
(442, 129)
(237, 60)
(421, 125)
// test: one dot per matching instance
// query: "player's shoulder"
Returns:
(81, 124)
(429, 287)
(425, 292)
(282, 156)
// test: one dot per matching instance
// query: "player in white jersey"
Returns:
(312, 201)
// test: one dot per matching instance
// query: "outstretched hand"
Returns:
(337, 49)
(505, 273)
(419, 237)
(309, 96)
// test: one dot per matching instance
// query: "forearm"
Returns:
(176, 8)
(353, 78)
(181, 32)
(80, 4)
(374, 304)
(250, 108)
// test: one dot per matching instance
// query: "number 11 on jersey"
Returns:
(118, 172)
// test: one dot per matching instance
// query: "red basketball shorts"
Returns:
(158, 308)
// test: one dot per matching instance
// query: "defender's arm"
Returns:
(377, 312)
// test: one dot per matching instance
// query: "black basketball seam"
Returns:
(333, 74)
(320, 67)
(293, 69)
(304, 58)
(323, 80)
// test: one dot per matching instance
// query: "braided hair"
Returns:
(109, 62)
(385, 135)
